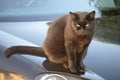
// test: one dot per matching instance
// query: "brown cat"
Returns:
(66, 42)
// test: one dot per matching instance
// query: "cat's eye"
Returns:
(87, 25)
(77, 25)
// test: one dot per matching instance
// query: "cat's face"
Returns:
(82, 23)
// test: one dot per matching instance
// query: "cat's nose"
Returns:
(82, 27)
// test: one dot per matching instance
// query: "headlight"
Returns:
(57, 76)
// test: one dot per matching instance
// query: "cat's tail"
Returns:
(37, 51)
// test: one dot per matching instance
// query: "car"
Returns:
(26, 23)
(35, 68)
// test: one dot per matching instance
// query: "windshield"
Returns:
(52, 9)
(32, 7)
(39, 9)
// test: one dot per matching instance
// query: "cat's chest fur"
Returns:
(77, 42)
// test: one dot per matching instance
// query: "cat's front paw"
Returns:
(65, 64)
(73, 70)
(82, 70)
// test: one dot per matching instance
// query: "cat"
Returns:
(66, 43)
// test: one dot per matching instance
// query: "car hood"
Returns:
(32, 65)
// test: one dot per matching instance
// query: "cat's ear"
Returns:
(74, 16)
(91, 16)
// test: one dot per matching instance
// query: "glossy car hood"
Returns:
(32, 65)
